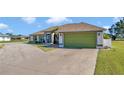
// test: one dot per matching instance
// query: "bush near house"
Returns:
(111, 61)
(106, 36)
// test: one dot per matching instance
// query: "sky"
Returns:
(29, 25)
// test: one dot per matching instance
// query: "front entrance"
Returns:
(48, 38)
(56, 38)
(99, 38)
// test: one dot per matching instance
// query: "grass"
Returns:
(13, 41)
(44, 48)
(111, 62)
(1, 45)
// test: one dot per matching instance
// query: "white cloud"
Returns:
(3, 26)
(29, 20)
(116, 19)
(58, 20)
(107, 27)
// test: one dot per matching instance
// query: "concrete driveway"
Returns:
(25, 59)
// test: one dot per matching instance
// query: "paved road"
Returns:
(25, 59)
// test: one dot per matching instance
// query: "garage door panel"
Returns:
(80, 40)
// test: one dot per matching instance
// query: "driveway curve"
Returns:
(25, 59)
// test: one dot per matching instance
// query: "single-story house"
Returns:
(4, 37)
(76, 35)
(19, 37)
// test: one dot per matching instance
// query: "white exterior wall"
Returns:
(5, 38)
(45, 38)
(38, 38)
(1, 38)
(61, 40)
(107, 43)
(99, 38)
(52, 38)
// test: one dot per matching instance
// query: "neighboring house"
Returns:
(77, 35)
(19, 37)
(4, 37)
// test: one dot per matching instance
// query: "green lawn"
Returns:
(13, 41)
(44, 48)
(111, 62)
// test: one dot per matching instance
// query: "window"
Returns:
(98, 34)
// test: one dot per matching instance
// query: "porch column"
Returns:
(45, 39)
(38, 38)
(61, 40)
(52, 38)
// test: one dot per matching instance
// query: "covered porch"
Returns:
(51, 39)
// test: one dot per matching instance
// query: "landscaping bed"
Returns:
(1, 45)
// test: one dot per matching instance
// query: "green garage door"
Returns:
(80, 39)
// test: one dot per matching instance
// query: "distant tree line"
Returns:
(11, 34)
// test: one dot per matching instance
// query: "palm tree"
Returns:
(117, 29)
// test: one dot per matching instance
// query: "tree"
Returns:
(10, 34)
(117, 29)
(1, 33)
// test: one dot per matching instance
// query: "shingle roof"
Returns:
(50, 29)
(79, 27)
(75, 27)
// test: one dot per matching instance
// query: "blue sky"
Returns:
(28, 25)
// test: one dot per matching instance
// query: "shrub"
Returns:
(106, 47)
(106, 36)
